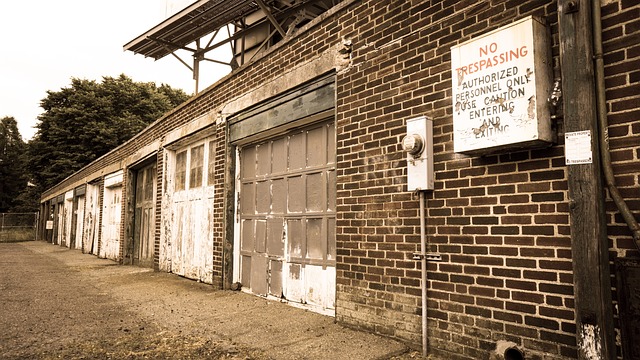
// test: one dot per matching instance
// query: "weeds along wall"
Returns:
(500, 222)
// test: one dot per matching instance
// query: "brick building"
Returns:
(289, 176)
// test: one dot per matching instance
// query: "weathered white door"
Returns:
(144, 217)
(67, 219)
(287, 217)
(79, 216)
(187, 248)
(112, 210)
(90, 235)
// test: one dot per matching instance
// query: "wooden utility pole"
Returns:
(589, 243)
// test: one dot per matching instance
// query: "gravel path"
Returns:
(60, 303)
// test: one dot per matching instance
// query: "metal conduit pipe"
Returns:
(423, 265)
(607, 169)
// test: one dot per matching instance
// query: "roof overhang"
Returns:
(192, 23)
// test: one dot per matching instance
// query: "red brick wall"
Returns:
(621, 43)
(158, 210)
(500, 222)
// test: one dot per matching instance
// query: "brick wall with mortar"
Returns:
(621, 45)
(500, 222)
(158, 214)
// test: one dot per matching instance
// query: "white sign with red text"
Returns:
(496, 90)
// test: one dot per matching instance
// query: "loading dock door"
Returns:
(144, 216)
(287, 216)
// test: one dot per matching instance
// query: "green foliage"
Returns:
(82, 122)
(12, 163)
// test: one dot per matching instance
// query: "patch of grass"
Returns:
(17, 235)
(162, 345)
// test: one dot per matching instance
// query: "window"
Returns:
(196, 166)
(181, 170)
(212, 159)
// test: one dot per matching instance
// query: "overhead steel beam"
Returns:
(273, 20)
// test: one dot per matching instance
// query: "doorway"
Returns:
(144, 216)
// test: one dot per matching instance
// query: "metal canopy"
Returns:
(197, 20)
(205, 17)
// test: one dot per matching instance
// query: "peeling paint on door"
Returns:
(186, 246)
(67, 216)
(79, 222)
(90, 235)
(111, 214)
(287, 217)
(144, 216)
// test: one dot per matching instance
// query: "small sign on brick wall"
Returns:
(501, 82)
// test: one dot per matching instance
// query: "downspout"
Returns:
(607, 169)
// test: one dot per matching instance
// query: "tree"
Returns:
(82, 122)
(12, 163)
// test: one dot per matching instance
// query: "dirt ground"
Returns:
(57, 303)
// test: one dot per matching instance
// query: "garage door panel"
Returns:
(261, 236)
(294, 286)
(279, 156)
(331, 239)
(259, 267)
(263, 197)
(275, 238)
(248, 199)
(296, 194)
(279, 196)
(316, 148)
(248, 235)
(331, 190)
(264, 159)
(249, 163)
(315, 239)
(315, 198)
(297, 153)
(246, 270)
(295, 239)
(275, 278)
(331, 143)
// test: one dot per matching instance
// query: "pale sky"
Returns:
(44, 43)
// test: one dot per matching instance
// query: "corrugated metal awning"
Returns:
(195, 21)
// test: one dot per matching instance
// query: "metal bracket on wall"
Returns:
(428, 257)
(572, 7)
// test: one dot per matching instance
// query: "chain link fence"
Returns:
(18, 227)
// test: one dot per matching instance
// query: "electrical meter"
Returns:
(418, 144)
(413, 144)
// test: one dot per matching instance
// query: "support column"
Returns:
(589, 242)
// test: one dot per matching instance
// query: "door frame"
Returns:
(130, 203)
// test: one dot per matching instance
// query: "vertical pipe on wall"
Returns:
(601, 103)
(423, 265)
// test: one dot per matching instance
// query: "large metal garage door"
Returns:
(287, 216)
